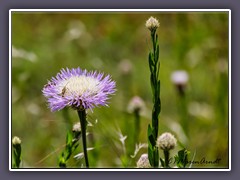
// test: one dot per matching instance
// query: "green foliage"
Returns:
(71, 145)
(17, 155)
(181, 159)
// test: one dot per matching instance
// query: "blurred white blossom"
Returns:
(77, 31)
(136, 104)
(143, 162)
(138, 147)
(125, 67)
(33, 108)
(21, 53)
(81, 155)
(203, 110)
(179, 77)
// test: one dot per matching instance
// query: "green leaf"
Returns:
(69, 138)
(156, 157)
(150, 155)
(152, 83)
(150, 62)
(157, 54)
(182, 158)
(17, 157)
(150, 136)
(162, 162)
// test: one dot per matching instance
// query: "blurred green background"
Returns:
(118, 43)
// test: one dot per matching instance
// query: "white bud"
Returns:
(16, 140)
(152, 23)
(143, 162)
(76, 127)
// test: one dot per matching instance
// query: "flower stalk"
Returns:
(83, 122)
(17, 150)
(180, 80)
(166, 156)
(154, 66)
(137, 107)
(137, 125)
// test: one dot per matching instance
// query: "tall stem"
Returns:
(83, 122)
(154, 65)
(184, 114)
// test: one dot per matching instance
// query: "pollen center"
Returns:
(78, 86)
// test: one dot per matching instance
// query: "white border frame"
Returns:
(119, 10)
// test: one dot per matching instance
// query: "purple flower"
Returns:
(78, 89)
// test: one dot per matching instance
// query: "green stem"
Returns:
(154, 65)
(17, 155)
(184, 114)
(83, 122)
(137, 125)
(166, 155)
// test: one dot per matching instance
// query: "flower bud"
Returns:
(76, 127)
(16, 140)
(166, 141)
(152, 23)
(76, 131)
(143, 162)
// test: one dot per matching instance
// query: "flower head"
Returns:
(16, 140)
(152, 23)
(78, 89)
(136, 104)
(179, 77)
(125, 67)
(143, 162)
(166, 141)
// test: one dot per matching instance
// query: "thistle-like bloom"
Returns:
(143, 162)
(166, 141)
(152, 23)
(78, 89)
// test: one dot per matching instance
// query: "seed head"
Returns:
(166, 141)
